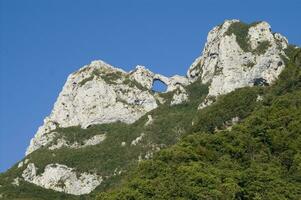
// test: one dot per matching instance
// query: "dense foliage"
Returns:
(258, 159)
(237, 104)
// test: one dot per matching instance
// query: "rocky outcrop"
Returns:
(62, 178)
(22, 163)
(143, 76)
(16, 181)
(137, 140)
(230, 61)
(100, 93)
(149, 120)
(180, 96)
(61, 142)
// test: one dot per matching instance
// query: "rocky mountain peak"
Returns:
(238, 55)
(100, 93)
(143, 76)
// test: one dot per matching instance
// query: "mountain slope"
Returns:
(260, 158)
(106, 121)
(118, 152)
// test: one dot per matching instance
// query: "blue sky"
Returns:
(42, 41)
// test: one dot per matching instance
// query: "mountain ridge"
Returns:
(114, 113)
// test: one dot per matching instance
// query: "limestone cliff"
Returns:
(100, 93)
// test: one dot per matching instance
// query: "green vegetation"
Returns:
(108, 77)
(85, 80)
(236, 104)
(95, 73)
(111, 77)
(133, 83)
(250, 64)
(76, 133)
(103, 158)
(262, 47)
(240, 30)
(259, 158)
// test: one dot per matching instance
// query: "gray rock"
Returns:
(226, 66)
(16, 181)
(137, 140)
(149, 120)
(62, 178)
(259, 98)
(22, 163)
(180, 96)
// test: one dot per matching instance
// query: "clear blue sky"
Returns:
(42, 41)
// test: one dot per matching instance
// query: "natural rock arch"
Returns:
(159, 86)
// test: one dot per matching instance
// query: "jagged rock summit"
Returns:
(238, 55)
(235, 55)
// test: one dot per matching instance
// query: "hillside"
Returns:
(259, 158)
(230, 129)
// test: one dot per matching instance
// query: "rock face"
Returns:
(238, 55)
(62, 178)
(100, 93)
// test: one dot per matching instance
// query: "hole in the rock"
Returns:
(159, 86)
